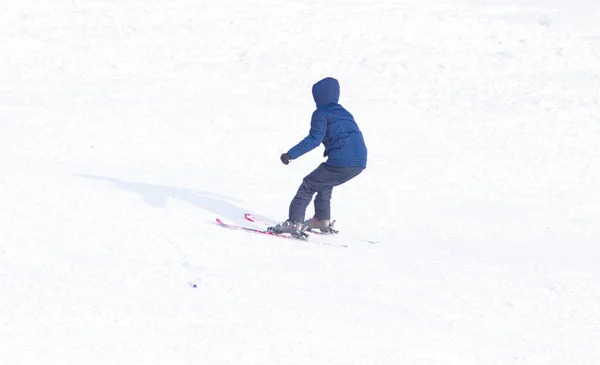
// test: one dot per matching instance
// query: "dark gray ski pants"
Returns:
(320, 181)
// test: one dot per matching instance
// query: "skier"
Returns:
(345, 148)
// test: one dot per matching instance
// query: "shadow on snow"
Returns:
(158, 195)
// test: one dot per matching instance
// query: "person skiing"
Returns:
(346, 152)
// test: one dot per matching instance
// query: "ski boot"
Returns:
(323, 225)
(296, 229)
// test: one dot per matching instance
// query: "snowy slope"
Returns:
(127, 127)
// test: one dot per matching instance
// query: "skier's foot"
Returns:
(323, 225)
(292, 227)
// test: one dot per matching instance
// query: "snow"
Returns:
(127, 127)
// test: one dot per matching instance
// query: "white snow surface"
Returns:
(127, 127)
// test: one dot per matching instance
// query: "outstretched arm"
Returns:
(318, 126)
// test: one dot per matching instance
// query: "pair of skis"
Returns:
(253, 219)
(265, 231)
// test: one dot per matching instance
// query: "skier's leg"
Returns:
(301, 201)
(310, 185)
(323, 204)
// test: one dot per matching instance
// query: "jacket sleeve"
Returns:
(318, 126)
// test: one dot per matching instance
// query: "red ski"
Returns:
(248, 229)
(270, 233)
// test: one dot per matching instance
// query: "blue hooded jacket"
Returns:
(335, 127)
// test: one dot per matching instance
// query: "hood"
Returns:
(326, 91)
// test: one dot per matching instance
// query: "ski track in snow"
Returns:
(127, 127)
